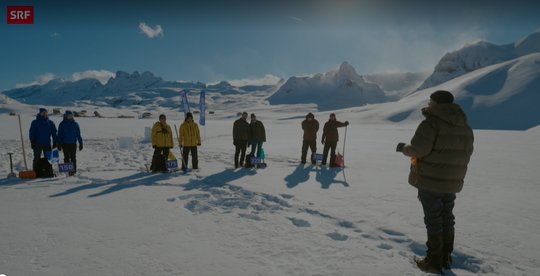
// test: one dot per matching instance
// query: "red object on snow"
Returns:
(340, 162)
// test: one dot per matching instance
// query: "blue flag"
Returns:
(202, 108)
(184, 102)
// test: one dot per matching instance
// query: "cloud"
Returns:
(101, 75)
(151, 32)
(39, 80)
(56, 35)
(295, 18)
(266, 80)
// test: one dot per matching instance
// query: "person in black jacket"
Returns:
(241, 133)
(310, 127)
(330, 138)
(257, 137)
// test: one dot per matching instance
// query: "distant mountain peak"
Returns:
(479, 55)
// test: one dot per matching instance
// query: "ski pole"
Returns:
(344, 140)
(22, 143)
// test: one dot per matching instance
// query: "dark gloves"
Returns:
(234, 142)
(80, 147)
(59, 147)
(198, 144)
(322, 141)
(33, 145)
(346, 123)
(154, 146)
(399, 147)
(54, 145)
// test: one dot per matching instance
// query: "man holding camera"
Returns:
(440, 152)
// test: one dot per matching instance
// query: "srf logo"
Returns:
(20, 15)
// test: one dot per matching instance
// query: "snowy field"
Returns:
(115, 219)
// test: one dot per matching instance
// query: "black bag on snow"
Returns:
(158, 163)
(249, 163)
(44, 168)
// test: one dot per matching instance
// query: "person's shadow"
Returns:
(299, 175)
(118, 184)
(327, 176)
(218, 179)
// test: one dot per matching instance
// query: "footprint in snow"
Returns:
(337, 236)
(299, 222)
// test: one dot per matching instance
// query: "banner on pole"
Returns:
(202, 108)
(184, 102)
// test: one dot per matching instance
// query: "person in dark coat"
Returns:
(440, 152)
(330, 138)
(257, 136)
(310, 127)
(241, 135)
(69, 133)
(41, 131)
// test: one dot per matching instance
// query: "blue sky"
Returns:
(223, 40)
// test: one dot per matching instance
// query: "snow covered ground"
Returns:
(114, 219)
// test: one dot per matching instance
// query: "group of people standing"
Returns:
(69, 133)
(189, 138)
(440, 152)
(244, 134)
(330, 138)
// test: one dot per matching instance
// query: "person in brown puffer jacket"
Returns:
(330, 138)
(310, 127)
(440, 152)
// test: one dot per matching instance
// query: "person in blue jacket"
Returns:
(69, 134)
(41, 131)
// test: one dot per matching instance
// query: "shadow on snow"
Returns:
(324, 175)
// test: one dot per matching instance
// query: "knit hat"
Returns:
(310, 115)
(442, 97)
(41, 110)
(68, 112)
(189, 115)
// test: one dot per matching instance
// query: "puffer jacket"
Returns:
(69, 132)
(41, 131)
(440, 149)
(241, 130)
(310, 129)
(330, 132)
(189, 134)
(162, 136)
(257, 132)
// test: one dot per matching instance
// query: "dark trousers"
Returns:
(70, 152)
(38, 150)
(438, 216)
(312, 145)
(332, 147)
(256, 148)
(159, 151)
(240, 150)
(194, 158)
(162, 151)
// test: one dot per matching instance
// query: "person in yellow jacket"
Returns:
(162, 142)
(189, 139)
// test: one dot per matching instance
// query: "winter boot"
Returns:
(432, 262)
(448, 247)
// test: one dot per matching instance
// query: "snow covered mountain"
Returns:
(397, 84)
(500, 96)
(336, 89)
(479, 55)
(123, 90)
